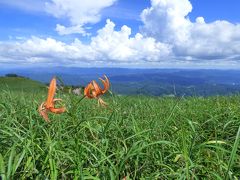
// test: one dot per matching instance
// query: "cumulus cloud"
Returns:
(78, 13)
(167, 35)
(37, 50)
(108, 45)
(165, 17)
(167, 21)
(119, 46)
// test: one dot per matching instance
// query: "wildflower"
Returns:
(93, 90)
(49, 105)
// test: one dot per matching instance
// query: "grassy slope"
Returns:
(138, 137)
(20, 84)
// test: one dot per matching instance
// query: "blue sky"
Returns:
(19, 21)
(120, 33)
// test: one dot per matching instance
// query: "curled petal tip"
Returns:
(43, 112)
(57, 99)
(102, 103)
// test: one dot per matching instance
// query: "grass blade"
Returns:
(233, 153)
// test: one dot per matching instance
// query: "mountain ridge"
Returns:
(157, 82)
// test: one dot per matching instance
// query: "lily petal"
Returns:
(57, 99)
(101, 102)
(106, 84)
(57, 110)
(87, 91)
(43, 112)
(51, 93)
(97, 88)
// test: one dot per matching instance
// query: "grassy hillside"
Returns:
(135, 137)
(20, 84)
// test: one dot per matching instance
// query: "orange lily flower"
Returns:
(49, 105)
(93, 90)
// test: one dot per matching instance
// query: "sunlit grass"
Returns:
(137, 137)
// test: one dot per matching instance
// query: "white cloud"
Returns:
(78, 29)
(119, 46)
(78, 12)
(108, 46)
(165, 17)
(167, 35)
(37, 50)
(167, 21)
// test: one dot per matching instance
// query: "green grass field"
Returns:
(135, 137)
(20, 84)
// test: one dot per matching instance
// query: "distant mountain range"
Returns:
(155, 82)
